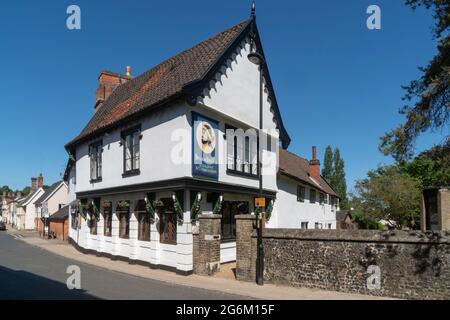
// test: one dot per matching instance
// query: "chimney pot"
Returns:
(40, 181)
(33, 184)
(128, 71)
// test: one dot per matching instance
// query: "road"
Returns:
(27, 272)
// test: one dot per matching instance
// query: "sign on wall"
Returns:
(205, 147)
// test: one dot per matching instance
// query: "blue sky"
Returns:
(337, 83)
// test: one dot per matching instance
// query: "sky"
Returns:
(337, 82)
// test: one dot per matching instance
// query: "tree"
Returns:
(337, 180)
(430, 168)
(5, 189)
(387, 193)
(428, 98)
(26, 191)
(327, 170)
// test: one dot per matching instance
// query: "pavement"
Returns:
(171, 285)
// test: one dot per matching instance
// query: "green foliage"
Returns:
(327, 169)
(428, 98)
(26, 191)
(178, 209)
(388, 193)
(5, 189)
(269, 210)
(338, 178)
(218, 206)
(430, 168)
(196, 207)
(367, 222)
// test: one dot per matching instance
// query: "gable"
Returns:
(182, 76)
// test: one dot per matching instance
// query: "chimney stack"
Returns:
(33, 184)
(107, 83)
(314, 166)
(40, 181)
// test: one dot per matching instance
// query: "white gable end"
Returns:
(235, 91)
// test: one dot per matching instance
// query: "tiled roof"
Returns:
(61, 214)
(298, 168)
(162, 83)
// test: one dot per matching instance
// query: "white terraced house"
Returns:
(159, 150)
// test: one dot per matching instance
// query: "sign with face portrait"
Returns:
(205, 147)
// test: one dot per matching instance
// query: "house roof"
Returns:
(180, 76)
(61, 214)
(48, 192)
(297, 168)
(24, 201)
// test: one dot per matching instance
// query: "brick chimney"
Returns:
(314, 166)
(33, 184)
(40, 181)
(107, 82)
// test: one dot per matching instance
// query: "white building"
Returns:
(161, 139)
(26, 213)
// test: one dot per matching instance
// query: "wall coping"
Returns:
(393, 236)
(245, 217)
(209, 216)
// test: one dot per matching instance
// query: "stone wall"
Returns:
(412, 265)
(206, 245)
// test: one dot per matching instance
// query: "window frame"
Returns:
(120, 213)
(135, 170)
(145, 230)
(170, 218)
(97, 161)
(312, 200)
(239, 167)
(301, 195)
(107, 222)
(302, 223)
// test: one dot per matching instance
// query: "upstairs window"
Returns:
(95, 155)
(242, 152)
(131, 151)
(300, 194)
(312, 196)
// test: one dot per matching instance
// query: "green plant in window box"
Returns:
(95, 211)
(149, 207)
(196, 207)
(269, 209)
(124, 204)
(158, 204)
(178, 209)
(218, 207)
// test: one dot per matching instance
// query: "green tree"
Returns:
(387, 193)
(327, 170)
(337, 180)
(26, 191)
(430, 168)
(428, 98)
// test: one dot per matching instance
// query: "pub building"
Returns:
(156, 154)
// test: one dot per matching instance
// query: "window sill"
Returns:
(95, 180)
(131, 173)
(241, 173)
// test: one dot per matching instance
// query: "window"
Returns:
(329, 226)
(143, 221)
(92, 224)
(242, 151)
(123, 212)
(107, 216)
(300, 194)
(74, 217)
(322, 198)
(168, 222)
(304, 225)
(318, 225)
(312, 196)
(95, 154)
(131, 151)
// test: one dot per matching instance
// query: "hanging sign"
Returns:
(205, 147)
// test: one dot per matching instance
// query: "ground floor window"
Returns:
(143, 221)
(304, 225)
(123, 212)
(107, 218)
(168, 222)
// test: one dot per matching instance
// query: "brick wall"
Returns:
(206, 242)
(413, 265)
(245, 245)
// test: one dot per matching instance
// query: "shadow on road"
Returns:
(22, 285)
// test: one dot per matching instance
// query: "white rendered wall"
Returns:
(290, 213)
